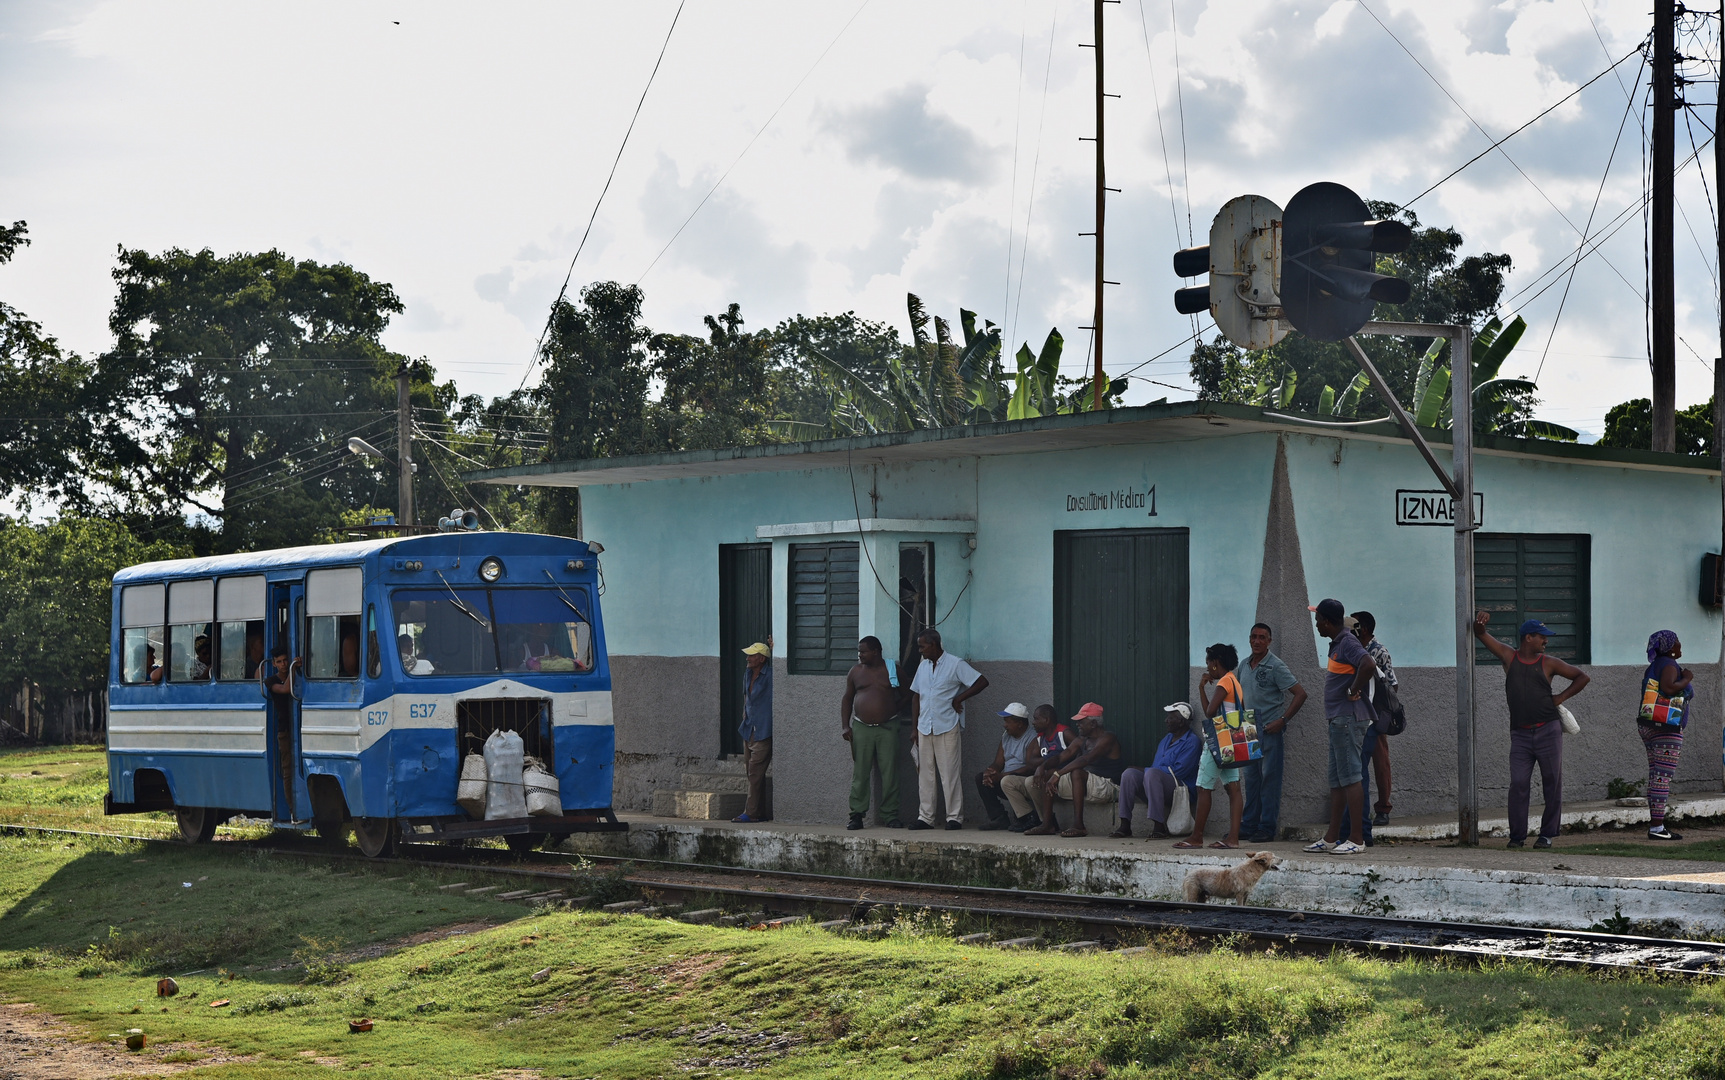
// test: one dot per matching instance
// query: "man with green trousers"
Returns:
(868, 717)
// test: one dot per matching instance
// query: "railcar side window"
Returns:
(543, 629)
(240, 631)
(450, 631)
(333, 644)
(191, 653)
(143, 634)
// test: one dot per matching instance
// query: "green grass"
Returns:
(1694, 851)
(61, 787)
(86, 927)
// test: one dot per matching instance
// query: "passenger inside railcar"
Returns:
(349, 668)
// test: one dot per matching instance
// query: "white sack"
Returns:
(470, 792)
(543, 799)
(505, 796)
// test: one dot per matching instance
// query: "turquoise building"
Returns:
(1093, 557)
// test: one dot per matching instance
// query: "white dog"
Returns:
(1233, 882)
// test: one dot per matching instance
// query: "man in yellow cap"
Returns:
(757, 729)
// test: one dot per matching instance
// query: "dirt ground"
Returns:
(36, 1046)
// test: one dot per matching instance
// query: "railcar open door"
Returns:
(291, 801)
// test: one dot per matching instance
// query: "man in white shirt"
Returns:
(942, 684)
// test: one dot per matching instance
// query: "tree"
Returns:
(1629, 426)
(716, 389)
(45, 426)
(236, 381)
(55, 587)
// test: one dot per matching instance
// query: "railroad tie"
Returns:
(483, 889)
(554, 894)
(1136, 950)
(976, 939)
(1078, 946)
(1019, 943)
(624, 905)
(834, 924)
(788, 920)
(457, 885)
(513, 895)
(705, 915)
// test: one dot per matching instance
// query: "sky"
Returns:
(808, 158)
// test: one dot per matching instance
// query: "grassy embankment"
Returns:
(86, 927)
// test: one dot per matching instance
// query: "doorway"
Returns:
(915, 604)
(1121, 628)
(745, 617)
(291, 801)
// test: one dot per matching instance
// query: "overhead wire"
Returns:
(1035, 169)
(621, 146)
(1017, 123)
(746, 146)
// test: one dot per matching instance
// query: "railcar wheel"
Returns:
(522, 843)
(376, 836)
(197, 823)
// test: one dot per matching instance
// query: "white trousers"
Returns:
(942, 754)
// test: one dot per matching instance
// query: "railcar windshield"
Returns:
(480, 631)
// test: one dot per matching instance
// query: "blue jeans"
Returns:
(1367, 746)
(1262, 780)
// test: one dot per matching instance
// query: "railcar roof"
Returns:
(317, 555)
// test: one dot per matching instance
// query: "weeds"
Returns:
(319, 958)
(1619, 788)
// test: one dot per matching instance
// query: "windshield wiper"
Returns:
(566, 600)
(461, 605)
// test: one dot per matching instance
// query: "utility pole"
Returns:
(1719, 361)
(404, 445)
(1664, 293)
(1101, 214)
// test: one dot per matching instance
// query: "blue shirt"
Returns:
(936, 683)
(1179, 755)
(1266, 687)
(758, 705)
(1016, 752)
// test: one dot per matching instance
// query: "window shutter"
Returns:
(1536, 576)
(823, 603)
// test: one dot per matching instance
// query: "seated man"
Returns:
(1052, 739)
(152, 669)
(200, 671)
(1176, 759)
(1089, 771)
(413, 665)
(254, 653)
(1016, 756)
(349, 666)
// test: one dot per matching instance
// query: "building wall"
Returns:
(1275, 522)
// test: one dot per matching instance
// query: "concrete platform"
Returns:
(1407, 879)
(1602, 814)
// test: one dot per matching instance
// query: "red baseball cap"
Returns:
(1089, 710)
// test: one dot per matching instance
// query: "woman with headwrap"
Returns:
(1666, 691)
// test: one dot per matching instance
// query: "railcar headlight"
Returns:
(491, 569)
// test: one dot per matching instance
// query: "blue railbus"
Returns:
(402, 656)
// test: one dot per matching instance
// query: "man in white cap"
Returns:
(1176, 760)
(1016, 757)
(757, 729)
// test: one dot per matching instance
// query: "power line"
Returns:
(1035, 169)
(1012, 200)
(601, 199)
(751, 142)
(1161, 133)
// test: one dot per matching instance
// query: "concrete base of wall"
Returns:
(1312, 883)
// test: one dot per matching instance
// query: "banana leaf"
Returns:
(1493, 345)
(1429, 404)
(1545, 429)
(1428, 364)
(1285, 392)
(1025, 395)
(1327, 401)
(1349, 404)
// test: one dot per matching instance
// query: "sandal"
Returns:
(1218, 845)
(1187, 845)
(1074, 833)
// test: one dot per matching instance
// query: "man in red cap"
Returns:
(1089, 771)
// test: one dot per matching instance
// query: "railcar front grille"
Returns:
(530, 718)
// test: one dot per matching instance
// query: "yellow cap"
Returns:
(758, 649)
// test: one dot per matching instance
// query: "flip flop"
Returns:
(1224, 847)
(1186, 845)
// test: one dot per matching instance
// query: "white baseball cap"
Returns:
(1180, 707)
(1016, 709)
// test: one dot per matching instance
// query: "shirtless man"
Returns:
(868, 718)
(1089, 771)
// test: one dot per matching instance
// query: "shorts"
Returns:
(1098, 789)
(1347, 736)
(1211, 775)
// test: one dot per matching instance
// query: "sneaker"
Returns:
(1020, 825)
(1662, 833)
(1381, 819)
(1542, 842)
(1260, 838)
(895, 823)
(1318, 847)
(1516, 844)
(856, 822)
(745, 819)
(919, 824)
(994, 825)
(1347, 847)
(952, 825)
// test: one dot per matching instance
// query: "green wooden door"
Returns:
(1121, 611)
(745, 617)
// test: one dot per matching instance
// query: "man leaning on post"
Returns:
(757, 729)
(942, 685)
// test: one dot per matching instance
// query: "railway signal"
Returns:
(1309, 268)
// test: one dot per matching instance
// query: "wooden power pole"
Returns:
(1101, 214)
(1664, 297)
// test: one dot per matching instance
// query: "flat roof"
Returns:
(1162, 422)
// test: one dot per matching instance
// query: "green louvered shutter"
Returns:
(823, 608)
(1544, 576)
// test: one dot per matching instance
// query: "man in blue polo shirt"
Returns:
(1274, 696)
(941, 686)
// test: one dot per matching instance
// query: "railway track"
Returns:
(1030, 918)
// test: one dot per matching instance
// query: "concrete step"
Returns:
(727, 783)
(706, 805)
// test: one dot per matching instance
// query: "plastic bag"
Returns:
(543, 799)
(1567, 719)
(505, 792)
(470, 792)
(1180, 811)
